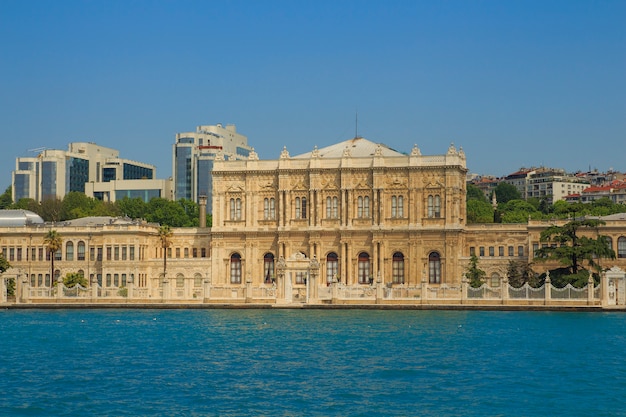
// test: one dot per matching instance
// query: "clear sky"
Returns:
(515, 83)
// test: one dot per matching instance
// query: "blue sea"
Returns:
(275, 362)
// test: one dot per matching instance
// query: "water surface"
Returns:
(311, 362)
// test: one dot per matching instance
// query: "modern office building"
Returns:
(193, 156)
(54, 173)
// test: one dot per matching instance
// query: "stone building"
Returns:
(363, 210)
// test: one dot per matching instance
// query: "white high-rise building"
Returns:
(193, 156)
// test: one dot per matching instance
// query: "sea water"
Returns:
(311, 363)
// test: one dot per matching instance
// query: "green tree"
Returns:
(166, 212)
(135, 208)
(73, 278)
(506, 192)
(76, 205)
(6, 199)
(570, 249)
(520, 273)
(474, 274)
(28, 204)
(165, 237)
(53, 242)
(517, 211)
(51, 209)
(4, 264)
(479, 212)
(475, 193)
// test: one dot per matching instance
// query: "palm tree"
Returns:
(53, 242)
(165, 236)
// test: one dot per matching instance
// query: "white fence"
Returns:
(336, 293)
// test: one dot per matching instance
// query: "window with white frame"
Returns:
(300, 207)
(269, 209)
(235, 208)
(332, 207)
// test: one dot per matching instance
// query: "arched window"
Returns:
(197, 280)
(621, 247)
(69, 251)
(180, 281)
(400, 206)
(81, 272)
(359, 206)
(268, 268)
(364, 268)
(609, 242)
(232, 209)
(366, 206)
(81, 251)
(235, 268)
(434, 268)
(332, 267)
(398, 268)
(437, 213)
(394, 206)
(495, 280)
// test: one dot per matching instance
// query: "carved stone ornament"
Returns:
(315, 153)
(378, 151)
(253, 155)
(451, 149)
(284, 154)
(415, 151)
(347, 153)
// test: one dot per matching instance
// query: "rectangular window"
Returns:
(520, 251)
(178, 252)
(131, 254)
(19, 254)
(11, 254)
(511, 251)
(491, 251)
(124, 252)
(194, 252)
(186, 252)
(481, 251)
(203, 252)
(472, 251)
(116, 252)
(109, 253)
(99, 258)
(500, 250)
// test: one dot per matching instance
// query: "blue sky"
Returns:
(515, 83)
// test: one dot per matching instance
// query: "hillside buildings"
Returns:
(193, 155)
(546, 183)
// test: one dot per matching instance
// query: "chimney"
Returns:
(202, 202)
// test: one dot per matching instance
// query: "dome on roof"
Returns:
(9, 218)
